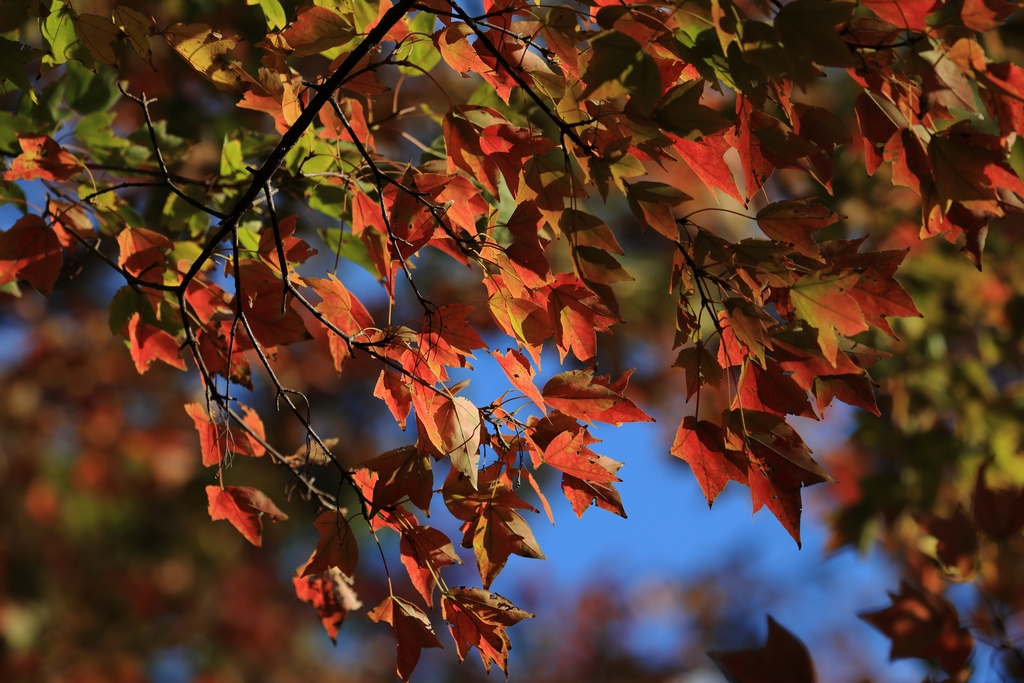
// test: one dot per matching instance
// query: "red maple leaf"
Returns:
(42, 158)
(30, 251)
(245, 508)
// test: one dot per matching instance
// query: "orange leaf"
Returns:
(30, 251)
(244, 507)
(337, 546)
(42, 159)
(412, 631)
(148, 343)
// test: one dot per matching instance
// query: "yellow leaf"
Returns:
(98, 35)
(202, 48)
(138, 27)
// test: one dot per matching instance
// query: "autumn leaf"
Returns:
(337, 546)
(203, 49)
(783, 659)
(398, 473)
(42, 159)
(142, 253)
(424, 551)
(245, 508)
(651, 204)
(453, 426)
(138, 27)
(30, 251)
(520, 373)
(702, 447)
(794, 221)
(825, 303)
(908, 14)
(478, 618)
(216, 440)
(331, 595)
(567, 452)
(700, 367)
(771, 390)
(497, 532)
(593, 399)
(412, 631)
(395, 392)
(922, 624)
(317, 29)
(148, 343)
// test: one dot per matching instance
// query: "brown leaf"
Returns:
(412, 631)
(922, 624)
(783, 659)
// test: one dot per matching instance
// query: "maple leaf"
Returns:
(148, 343)
(770, 390)
(876, 291)
(216, 440)
(705, 157)
(651, 204)
(568, 453)
(245, 508)
(141, 253)
(396, 395)
(986, 15)
(30, 251)
(337, 546)
(412, 631)
(825, 303)
(400, 472)
(317, 29)
(42, 158)
(520, 373)
(271, 322)
(478, 618)
(70, 220)
(780, 463)
(922, 624)
(497, 532)
(13, 58)
(580, 394)
(295, 249)
(956, 542)
(907, 14)
(424, 551)
(700, 367)
(702, 446)
(453, 426)
(998, 513)
(331, 595)
(783, 659)
(582, 494)
(794, 221)
(343, 310)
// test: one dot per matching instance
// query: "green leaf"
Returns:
(58, 30)
(351, 248)
(619, 66)
(681, 112)
(419, 47)
(89, 92)
(13, 57)
(273, 11)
